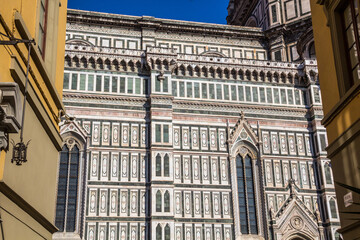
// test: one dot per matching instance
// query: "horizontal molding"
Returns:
(20, 78)
(37, 58)
(344, 139)
(341, 105)
(26, 207)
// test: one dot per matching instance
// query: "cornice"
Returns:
(117, 20)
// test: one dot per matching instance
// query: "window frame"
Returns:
(42, 46)
(341, 60)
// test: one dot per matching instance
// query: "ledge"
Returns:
(35, 103)
(26, 207)
(37, 58)
(339, 106)
(344, 139)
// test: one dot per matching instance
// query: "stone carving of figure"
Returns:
(197, 204)
(104, 166)
(114, 166)
(94, 165)
(195, 138)
(112, 234)
(115, 134)
(102, 234)
(226, 204)
(92, 202)
(106, 134)
(113, 202)
(214, 168)
(203, 139)
(103, 200)
(205, 169)
(91, 235)
(123, 202)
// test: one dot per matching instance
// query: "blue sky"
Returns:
(209, 11)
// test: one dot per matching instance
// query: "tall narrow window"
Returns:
(98, 83)
(114, 85)
(158, 232)
(90, 82)
(166, 202)
(167, 232)
(157, 85)
(42, 26)
(166, 84)
(250, 195)
(333, 208)
(174, 88)
(73, 189)
(158, 201)
(166, 166)
(273, 14)
(158, 165)
(66, 80)
(351, 29)
(189, 89)
(166, 133)
(74, 81)
(242, 195)
(204, 90)
(158, 133)
(130, 85)
(246, 195)
(137, 85)
(328, 173)
(67, 189)
(106, 83)
(62, 189)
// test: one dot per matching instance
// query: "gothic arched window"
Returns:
(328, 173)
(333, 208)
(166, 166)
(246, 195)
(167, 232)
(67, 189)
(158, 232)
(158, 165)
(158, 201)
(166, 202)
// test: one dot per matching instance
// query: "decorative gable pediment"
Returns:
(242, 131)
(294, 218)
(70, 125)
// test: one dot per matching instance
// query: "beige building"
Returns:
(28, 188)
(336, 30)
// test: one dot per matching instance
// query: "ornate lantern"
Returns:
(19, 150)
(19, 153)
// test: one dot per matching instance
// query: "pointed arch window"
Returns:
(246, 195)
(166, 166)
(167, 232)
(158, 201)
(67, 189)
(158, 232)
(328, 173)
(158, 165)
(333, 210)
(166, 202)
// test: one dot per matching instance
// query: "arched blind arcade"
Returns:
(246, 195)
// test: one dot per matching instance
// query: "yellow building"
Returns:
(336, 30)
(28, 189)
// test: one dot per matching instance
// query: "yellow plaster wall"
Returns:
(61, 48)
(36, 180)
(328, 79)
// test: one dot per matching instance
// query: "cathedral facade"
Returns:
(185, 130)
